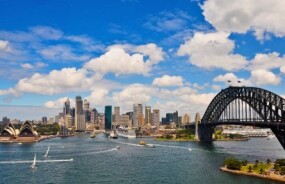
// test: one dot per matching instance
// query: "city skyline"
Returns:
(167, 55)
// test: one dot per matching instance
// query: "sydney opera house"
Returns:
(26, 133)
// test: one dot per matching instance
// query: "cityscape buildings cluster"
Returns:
(82, 117)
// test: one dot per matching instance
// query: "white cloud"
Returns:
(267, 61)
(232, 79)
(132, 94)
(99, 97)
(168, 21)
(116, 60)
(61, 52)
(40, 64)
(167, 80)
(212, 50)
(263, 77)
(59, 103)
(27, 66)
(4, 46)
(47, 33)
(282, 69)
(240, 16)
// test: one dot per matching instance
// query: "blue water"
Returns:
(97, 161)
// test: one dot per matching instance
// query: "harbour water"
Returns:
(98, 161)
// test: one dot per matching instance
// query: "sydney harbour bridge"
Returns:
(248, 106)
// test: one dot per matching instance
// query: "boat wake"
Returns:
(38, 161)
(130, 144)
(169, 146)
(98, 152)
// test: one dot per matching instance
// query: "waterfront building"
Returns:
(101, 121)
(124, 120)
(155, 117)
(186, 118)
(147, 115)
(51, 120)
(79, 114)
(137, 115)
(108, 117)
(68, 121)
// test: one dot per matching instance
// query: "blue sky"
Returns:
(172, 55)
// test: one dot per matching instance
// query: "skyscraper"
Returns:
(155, 117)
(108, 117)
(66, 108)
(86, 110)
(116, 115)
(147, 115)
(186, 118)
(138, 114)
(175, 118)
(79, 114)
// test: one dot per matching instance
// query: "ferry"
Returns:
(126, 133)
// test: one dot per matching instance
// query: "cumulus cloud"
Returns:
(135, 93)
(59, 103)
(167, 80)
(241, 16)
(212, 50)
(99, 97)
(263, 77)
(119, 61)
(267, 61)
(232, 79)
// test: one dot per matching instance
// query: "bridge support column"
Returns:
(280, 135)
(205, 132)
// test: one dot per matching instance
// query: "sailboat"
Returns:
(189, 148)
(46, 155)
(33, 166)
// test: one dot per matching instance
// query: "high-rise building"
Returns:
(94, 116)
(175, 118)
(116, 115)
(79, 114)
(44, 120)
(124, 120)
(66, 108)
(86, 105)
(147, 115)
(169, 118)
(155, 117)
(138, 115)
(108, 117)
(186, 118)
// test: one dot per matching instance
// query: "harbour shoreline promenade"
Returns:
(270, 176)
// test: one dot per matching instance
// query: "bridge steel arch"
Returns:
(268, 105)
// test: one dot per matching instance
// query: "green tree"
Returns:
(268, 161)
(261, 171)
(232, 163)
(244, 162)
(250, 169)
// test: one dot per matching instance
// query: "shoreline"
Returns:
(271, 176)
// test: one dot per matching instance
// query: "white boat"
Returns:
(126, 133)
(33, 166)
(117, 147)
(46, 155)
(93, 134)
(113, 134)
(189, 148)
(71, 159)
